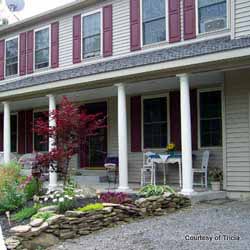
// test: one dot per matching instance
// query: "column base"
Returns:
(124, 190)
(187, 192)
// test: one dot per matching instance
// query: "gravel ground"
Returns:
(213, 219)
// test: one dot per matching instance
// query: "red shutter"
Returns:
(21, 132)
(30, 51)
(29, 131)
(2, 46)
(175, 119)
(174, 21)
(135, 32)
(189, 19)
(1, 132)
(107, 30)
(135, 109)
(193, 104)
(55, 45)
(23, 56)
(77, 39)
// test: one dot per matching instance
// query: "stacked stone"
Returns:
(40, 233)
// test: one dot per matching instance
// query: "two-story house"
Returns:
(161, 70)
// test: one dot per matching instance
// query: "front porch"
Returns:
(127, 134)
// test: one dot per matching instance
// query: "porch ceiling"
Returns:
(143, 87)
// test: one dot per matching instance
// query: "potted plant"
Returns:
(216, 177)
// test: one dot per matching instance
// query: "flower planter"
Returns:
(215, 185)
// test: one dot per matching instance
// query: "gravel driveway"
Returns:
(210, 222)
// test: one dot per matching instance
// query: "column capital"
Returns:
(51, 95)
(5, 102)
(121, 84)
(182, 75)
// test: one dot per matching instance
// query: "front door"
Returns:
(93, 154)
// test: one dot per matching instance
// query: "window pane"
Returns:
(154, 22)
(40, 143)
(13, 133)
(42, 49)
(91, 46)
(11, 67)
(153, 9)
(210, 119)
(154, 31)
(155, 122)
(91, 35)
(212, 15)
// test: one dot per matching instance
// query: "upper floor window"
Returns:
(91, 38)
(155, 125)
(212, 15)
(11, 52)
(210, 119)
(42, 48)
(153, 21)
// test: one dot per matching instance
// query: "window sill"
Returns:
(210, 148)
(41, 69)
(215, 32)
(11, 77)
(153, 45)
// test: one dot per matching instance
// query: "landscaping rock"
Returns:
(44, 240)
(12, 243)
(49, 209)
(38, 230)
(75, 214)
(20, 229)
(36, 222)
(55, 219)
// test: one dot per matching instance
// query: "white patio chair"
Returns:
(12, 157)
(203, 170)
(149, 168)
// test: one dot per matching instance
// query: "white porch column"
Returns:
(122, 138)
(6, 133)
(52, 123)
(186, 136)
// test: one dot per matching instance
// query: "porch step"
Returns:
(87, 172)
(207, 196)
(91, 176)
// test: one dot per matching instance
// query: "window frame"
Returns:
(198, 117)
(42, 110)
(228, 11)
(101, 33)
(166, 95)
(5, 57)
(34, 48)
(166, 27)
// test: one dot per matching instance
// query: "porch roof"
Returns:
(77, 76)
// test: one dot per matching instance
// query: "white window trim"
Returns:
(18, 47)
(101, 35)
(166, 95)
(199, 34)
(34, 48)
(16, 114)
(167, 28)
(33, 134)
(198, 116)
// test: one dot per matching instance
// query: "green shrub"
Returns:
(24, 214)
(43, 215)
(12, 198)
(151, 190)
(66, 205)
(91, 207)
(31, 187)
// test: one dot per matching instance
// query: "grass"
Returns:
(91, 207)
(24, 214)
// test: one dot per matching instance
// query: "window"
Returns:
(153, 21)
(210, 119)
(40, 143)
(155, 122)
(42, 48)
(212, 15)
(11, 52)
(13, 132)
(91, 39)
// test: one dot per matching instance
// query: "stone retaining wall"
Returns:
(73, 224)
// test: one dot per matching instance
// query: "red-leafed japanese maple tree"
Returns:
(73, 127)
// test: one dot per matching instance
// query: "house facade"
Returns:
(161, 70)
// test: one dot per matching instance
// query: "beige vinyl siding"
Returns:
(237, 89)
(242, 18)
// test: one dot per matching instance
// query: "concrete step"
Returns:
(207, 196)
